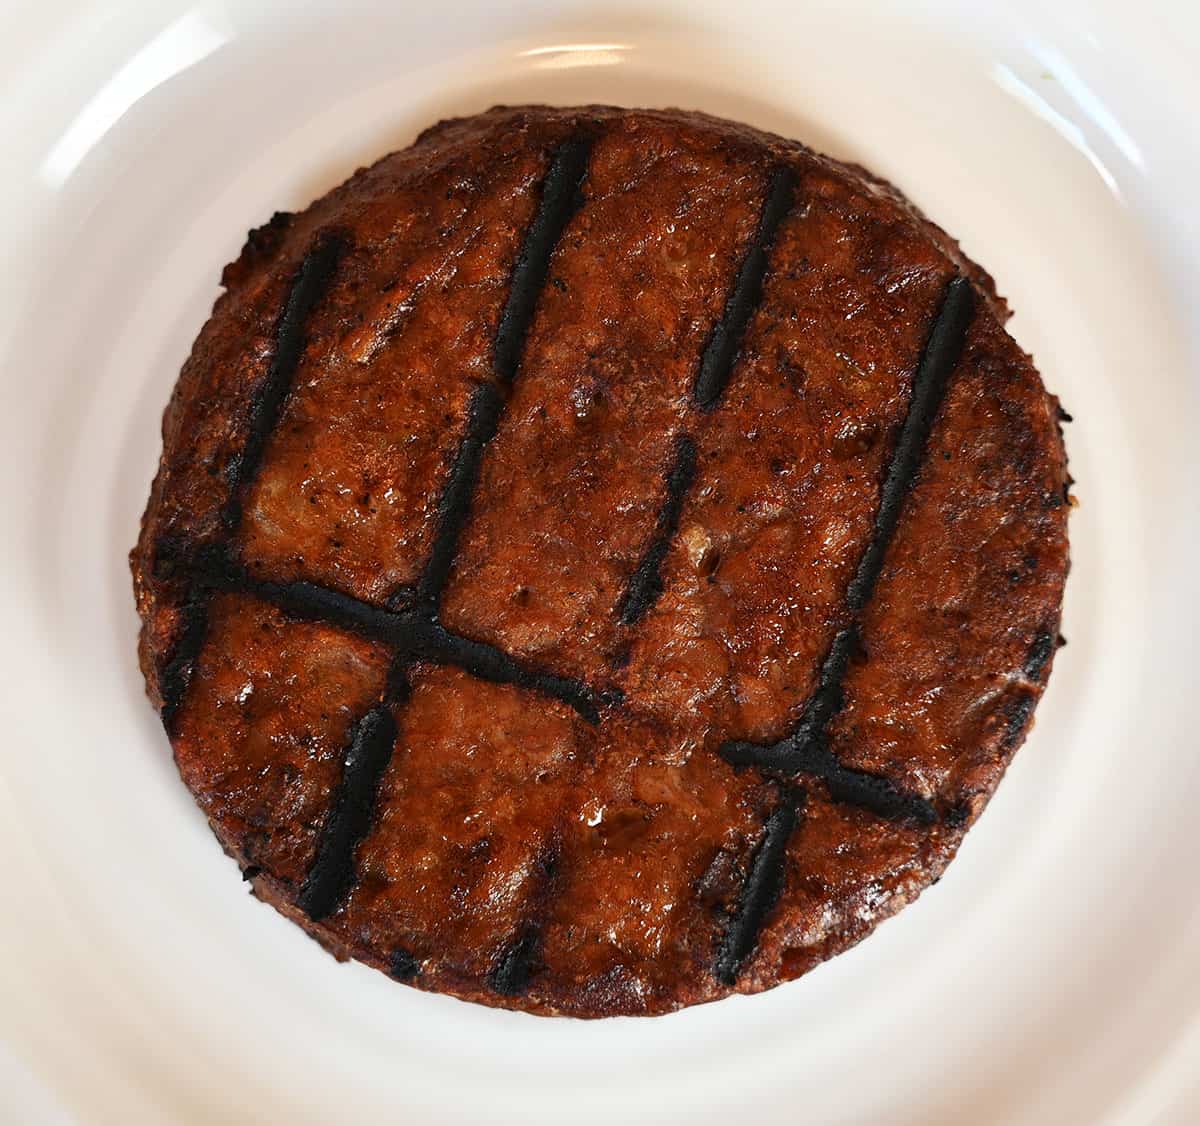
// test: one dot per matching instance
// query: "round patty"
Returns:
(601, 560)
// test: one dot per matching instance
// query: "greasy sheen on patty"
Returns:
(601, 560)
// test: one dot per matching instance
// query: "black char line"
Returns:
(806, 750)
(761, 889)
(308, 286)
(725, 341)
(413, 634)
(646, 585)
(332, 874)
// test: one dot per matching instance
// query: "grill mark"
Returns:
(761, 890)
(561, 197)
(873, 792)
(176, 673)
(941, 354)
(1017, 711)
(725, 341)
(308, 287)
(517, 961)
(332, 874)
(455, 502)
(315, 603)
(716, 365)
(805, 749)
(646, 584)
(491, 663)
(413, 634)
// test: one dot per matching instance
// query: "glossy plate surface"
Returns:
(1050, 977)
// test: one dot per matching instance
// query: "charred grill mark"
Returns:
(828, 698)
(315, 603)
(716, 364)
(414, 635)
(761, 889)
(941, 354)
(308, 287)
(872, 792)
(491, 663)
(175, 675)
(646, 586)
(455, 502)
(725, 341)
(806, 749)
(517, 962)
(333, 874)
(562, 195)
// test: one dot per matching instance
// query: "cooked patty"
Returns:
(601, 560)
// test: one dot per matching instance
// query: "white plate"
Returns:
(1050, 978)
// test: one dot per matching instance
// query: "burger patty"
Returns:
(601, 560)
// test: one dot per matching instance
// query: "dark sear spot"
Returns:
(510, 975)
(403, 966)
(1040, 653)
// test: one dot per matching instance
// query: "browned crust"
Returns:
(204, 424)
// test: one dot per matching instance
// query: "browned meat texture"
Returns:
(260, 738)
(603, 391)
(351, 475)
(601, 560)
